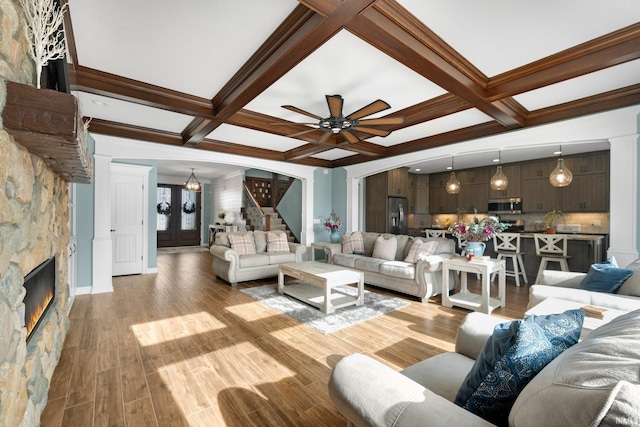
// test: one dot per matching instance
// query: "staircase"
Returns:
(253, 218)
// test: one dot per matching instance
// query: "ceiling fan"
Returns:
(337, 123)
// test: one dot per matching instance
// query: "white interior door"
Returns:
(127, 223)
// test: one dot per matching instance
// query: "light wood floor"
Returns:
(181, 348)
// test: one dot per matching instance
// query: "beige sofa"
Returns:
(595, 382)
(422, 279)
(233, 267)
(564, 285)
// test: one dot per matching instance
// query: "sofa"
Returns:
(565, 285)
(421, 277)
(594, 382)
(251, 255)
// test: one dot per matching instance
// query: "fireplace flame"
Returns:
(37, 313)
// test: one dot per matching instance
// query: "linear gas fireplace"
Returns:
(41, 287)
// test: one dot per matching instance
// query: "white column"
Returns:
(306, 230)
(623, 203)
(102, 226)
(354, 205)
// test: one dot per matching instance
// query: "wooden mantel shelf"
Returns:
(49, 125)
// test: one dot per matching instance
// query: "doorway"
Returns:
(178, 212)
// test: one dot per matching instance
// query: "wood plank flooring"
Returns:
(181, 348)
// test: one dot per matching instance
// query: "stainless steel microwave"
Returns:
(511, 205)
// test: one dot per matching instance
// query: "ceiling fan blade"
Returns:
(350, 137)
(300, 133)
(335, 105)
(299, 111)
(372, 131)
(324, 138)
(398, 120)
(374, 107)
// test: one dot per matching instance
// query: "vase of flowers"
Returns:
(479, 231)
(333, 223)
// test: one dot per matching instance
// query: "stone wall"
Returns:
(34, 215)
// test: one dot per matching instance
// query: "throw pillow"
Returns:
(605, 277)
(277, 242)
(353, 243)
(419, 250)
(242, 244)
(529, 352)
(631, 286)
(561, 330)
(385, 248)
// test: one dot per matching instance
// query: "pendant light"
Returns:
(561, 175)
(499, 180)
(453, 185)
(192, 183)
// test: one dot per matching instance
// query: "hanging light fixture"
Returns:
(453, 185)
(192, 183)
(561, 175)
(499, 180)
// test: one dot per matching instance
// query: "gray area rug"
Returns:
(374, 305)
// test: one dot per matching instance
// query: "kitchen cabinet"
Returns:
(376, 203)
(538, 170)
(586, 193)
(422, 194)
(411, 194)
(514, 187)
(397, 182)
(592, 163)
(538, 195)
(439, 200)
(473, 176)
(473, 197)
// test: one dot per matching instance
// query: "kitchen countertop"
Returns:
(570, 236)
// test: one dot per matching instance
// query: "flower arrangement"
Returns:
(480, 230)
(222, 214)
(333, 223)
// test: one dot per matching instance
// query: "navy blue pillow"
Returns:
(605, 277)
(561, 330)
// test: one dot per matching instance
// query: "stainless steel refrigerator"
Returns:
(398, 209)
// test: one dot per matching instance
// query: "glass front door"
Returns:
(178, 216)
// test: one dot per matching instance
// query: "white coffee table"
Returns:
(557, 305)
(483, 302)
(317, 284)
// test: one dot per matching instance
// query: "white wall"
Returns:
(226, 194)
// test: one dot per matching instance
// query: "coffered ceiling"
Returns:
(214, 75)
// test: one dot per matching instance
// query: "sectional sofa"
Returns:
(420, 277)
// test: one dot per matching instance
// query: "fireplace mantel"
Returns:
(49, 125)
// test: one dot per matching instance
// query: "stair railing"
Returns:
(266, 219)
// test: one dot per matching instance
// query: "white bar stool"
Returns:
(507, 245)
(432, 232)
(551, 248)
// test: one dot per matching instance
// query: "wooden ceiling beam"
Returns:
(265, 123)
(393, 30)
(125, 89)
(611, 49)
(122, 130)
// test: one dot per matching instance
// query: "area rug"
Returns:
(374, 305)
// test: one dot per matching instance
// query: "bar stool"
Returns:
(551, 248)
(507, 245)
(432, 232)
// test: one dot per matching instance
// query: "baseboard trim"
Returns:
(101, 289)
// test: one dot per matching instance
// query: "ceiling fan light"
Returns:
(561, 175)
(192, 183)
(499, 180)
(453, 185)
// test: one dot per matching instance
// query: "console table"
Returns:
(470, 300)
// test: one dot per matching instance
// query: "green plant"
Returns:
(551, 218)
(222, 214)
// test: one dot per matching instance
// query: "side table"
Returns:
(321, 246)
(470, 300)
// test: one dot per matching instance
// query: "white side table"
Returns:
(322, 246)
(470, 300)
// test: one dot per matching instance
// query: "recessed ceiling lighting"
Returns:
(100, 103)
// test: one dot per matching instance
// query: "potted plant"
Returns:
(222, 214)
(333, 224)
(478, 232)
(550, 220)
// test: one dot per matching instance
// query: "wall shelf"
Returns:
(49, 125)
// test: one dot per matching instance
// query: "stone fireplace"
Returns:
(34, 214)
(40, 291)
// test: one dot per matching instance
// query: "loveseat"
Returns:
(249, 255)
(417, 273)
(566, 286)
(594, 382)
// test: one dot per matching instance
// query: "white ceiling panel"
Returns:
(239, 135)
(192, 47)
(362, 76)
(100, 107)
(590, 84)
(334, 154)
(499, 35)
(448, 123)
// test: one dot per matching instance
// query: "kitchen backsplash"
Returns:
(588, 223)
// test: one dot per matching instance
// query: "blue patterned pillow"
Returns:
(605, 277)
(561, 331)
